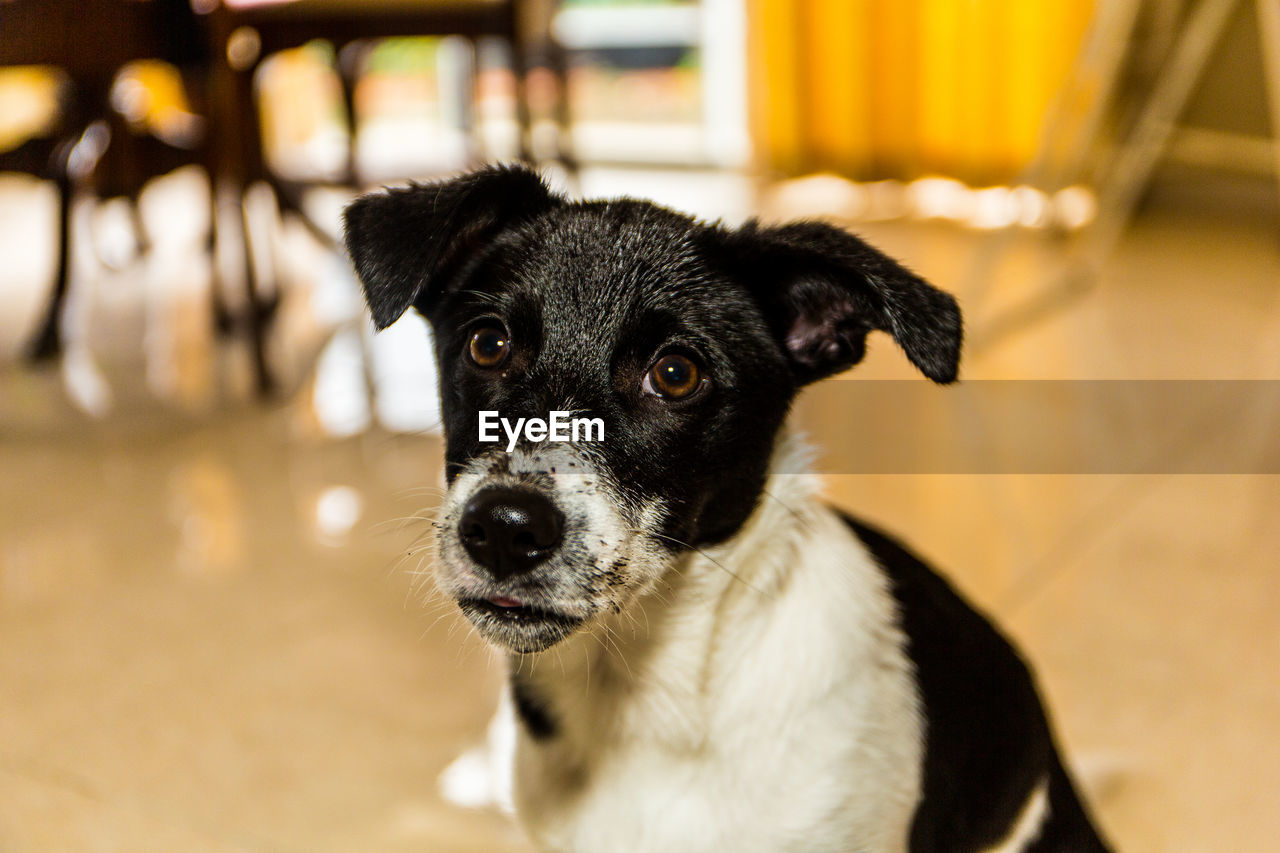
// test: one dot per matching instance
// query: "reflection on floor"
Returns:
(210, 637)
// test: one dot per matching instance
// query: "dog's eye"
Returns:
(673, 377)
(489, 346)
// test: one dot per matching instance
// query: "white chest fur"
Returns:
(759, 698)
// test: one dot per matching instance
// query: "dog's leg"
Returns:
(482, 777)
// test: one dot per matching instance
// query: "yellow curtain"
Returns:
(903, 88)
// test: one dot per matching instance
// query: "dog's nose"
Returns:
(509, 531)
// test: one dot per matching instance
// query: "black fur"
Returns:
(987, 742)
(406, 242)
(824, 289)
(531, 710)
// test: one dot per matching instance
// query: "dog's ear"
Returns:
(406, 242)
(823, 289)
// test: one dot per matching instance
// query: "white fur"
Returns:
(481, 777)
(1026, 829)
(757, 697)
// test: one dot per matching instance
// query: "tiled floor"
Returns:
(209, 638)
(194, 655)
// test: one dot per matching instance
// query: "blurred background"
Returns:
(215, 481)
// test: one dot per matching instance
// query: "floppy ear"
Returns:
(406, 242)
(823, 289)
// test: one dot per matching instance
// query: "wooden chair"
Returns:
(221, 45)
(243, 33)
(89, 42)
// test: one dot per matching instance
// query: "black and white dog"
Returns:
(704, 655)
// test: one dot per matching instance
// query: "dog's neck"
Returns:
(659, 652)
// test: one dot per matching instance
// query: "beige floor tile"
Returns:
(179, 650)
(57, 815)
(1157, 647)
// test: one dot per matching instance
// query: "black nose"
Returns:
(509, 531)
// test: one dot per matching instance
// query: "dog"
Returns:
(704, 655)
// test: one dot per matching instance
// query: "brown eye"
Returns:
(489, 346)
(673, 377)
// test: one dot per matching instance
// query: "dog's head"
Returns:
(687, 342)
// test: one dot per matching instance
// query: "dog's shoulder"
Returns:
(940, 623)
(989, 751)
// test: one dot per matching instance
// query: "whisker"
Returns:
(401, 521)
(710, 558)
(418, 491)
(609, 636)
(795, 513)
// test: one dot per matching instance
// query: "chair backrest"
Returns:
(86, 38)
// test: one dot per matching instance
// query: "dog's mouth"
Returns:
(518, 626)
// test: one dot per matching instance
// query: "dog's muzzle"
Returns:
(534, 544)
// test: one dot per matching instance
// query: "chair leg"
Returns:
(1070, 133)
(1269, 31)
(48, 341)
(557, 58)
(524, 118)
(258, 311)
(252, 166)
(470, 103)
(350, 61)
(1123, 185)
